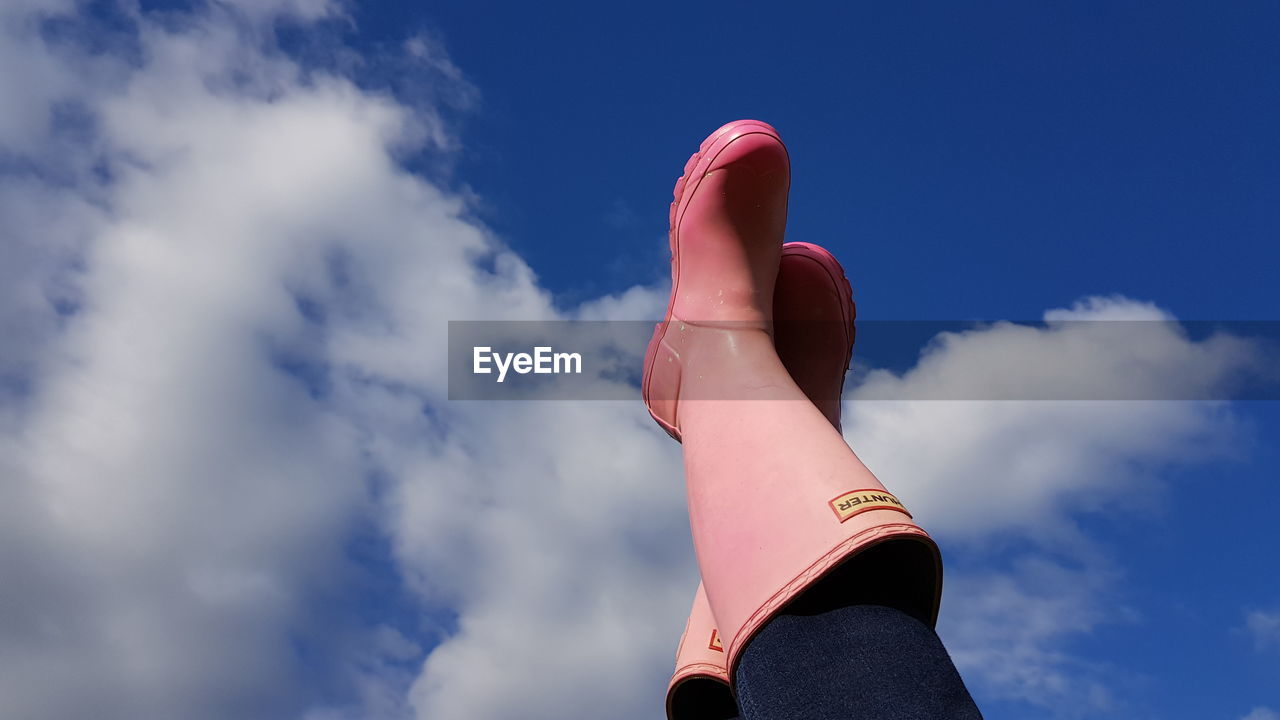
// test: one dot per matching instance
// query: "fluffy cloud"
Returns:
(993, 478)
(994, 465)
(1004, 630)
(1264, 627)
(183, 480)
(232, 366)
(225, 303)
(1262, 713)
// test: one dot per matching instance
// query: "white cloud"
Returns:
(1004, 629)
(232, 306)
(981, 466)
(1262, 713)
(1264, 627)
(176, 502)
(182, 491)
(261, 11)
(988, 475)
(43, 79)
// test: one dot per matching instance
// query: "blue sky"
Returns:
(234, 233)
(1018, 156)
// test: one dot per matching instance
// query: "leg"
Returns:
(853, 662)
(825, 660)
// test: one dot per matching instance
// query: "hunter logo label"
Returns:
(860, 501)
(715, 643)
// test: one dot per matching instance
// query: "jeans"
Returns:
(856, 661)
(856, 644)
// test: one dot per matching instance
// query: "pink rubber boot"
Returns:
(813, 314)
(732, 199)
(777, 500)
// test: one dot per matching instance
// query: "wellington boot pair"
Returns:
(748, 376)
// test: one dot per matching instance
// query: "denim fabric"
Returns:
(856, 661)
